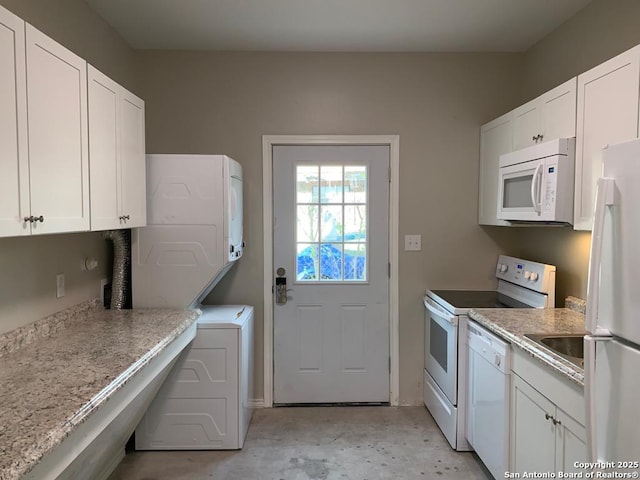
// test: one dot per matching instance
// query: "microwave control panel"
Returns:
(550, 184)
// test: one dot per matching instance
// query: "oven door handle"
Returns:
(452, 319)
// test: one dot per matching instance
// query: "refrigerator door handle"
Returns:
(604, 198)
(590, 389)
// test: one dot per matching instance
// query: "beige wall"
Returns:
(29, 265)
(602, 30)
(224, 102)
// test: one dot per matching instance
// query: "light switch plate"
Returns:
(412, 243)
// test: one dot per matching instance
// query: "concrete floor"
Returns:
(319, 443)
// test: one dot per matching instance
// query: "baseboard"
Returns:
(256, 403)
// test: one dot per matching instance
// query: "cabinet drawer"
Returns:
(564, 393)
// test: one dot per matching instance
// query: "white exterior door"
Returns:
(331, 244)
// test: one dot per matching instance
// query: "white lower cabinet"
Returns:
(547, 419)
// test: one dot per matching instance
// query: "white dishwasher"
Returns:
(489, 362)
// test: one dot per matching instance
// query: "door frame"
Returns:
(393, 142)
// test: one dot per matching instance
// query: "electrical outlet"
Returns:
(412, 243)
(60, 285)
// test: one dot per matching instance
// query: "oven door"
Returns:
(441, 348)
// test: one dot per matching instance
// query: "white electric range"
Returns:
(521, 284)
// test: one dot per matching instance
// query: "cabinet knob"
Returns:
(29, 219)
(124, 217)
(534, 138)
(38, 219)
(547, 416)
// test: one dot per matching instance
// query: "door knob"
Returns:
(281, 290)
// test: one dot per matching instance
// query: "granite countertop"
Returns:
(59, 370)
(513, 323)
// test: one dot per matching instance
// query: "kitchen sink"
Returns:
(568, 346)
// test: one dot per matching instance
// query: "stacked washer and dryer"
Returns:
(192, 238)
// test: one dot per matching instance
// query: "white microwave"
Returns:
(536, 183)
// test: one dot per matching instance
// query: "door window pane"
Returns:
(355, 261)
(307, 178)
(355, 223)
(330, 184)
(308, 223)
(307, 265)
(331, 223)
(355, 184)
(331, 261)
(331, 232)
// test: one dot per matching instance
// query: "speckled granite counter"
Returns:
(513, 323)
(58, 371)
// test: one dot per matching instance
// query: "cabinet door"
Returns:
(559, 111)
(131, 161)
(607, 113)
(495, 140)
(527, 124)
(103, 150)
(532, 431)
(14, 170)
(571, 443)
(58, 150)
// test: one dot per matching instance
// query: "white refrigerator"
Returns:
(612, 348)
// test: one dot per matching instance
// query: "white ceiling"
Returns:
(337, 25)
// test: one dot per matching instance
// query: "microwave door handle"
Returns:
(535, 190)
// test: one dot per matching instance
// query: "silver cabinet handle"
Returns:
(124, 217)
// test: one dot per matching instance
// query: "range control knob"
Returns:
(504, 268)
(527, 275)
(534, 276)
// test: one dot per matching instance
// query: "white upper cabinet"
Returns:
(551, 115)
(607, 113)
(495, 139)
(117, 155)
(14, 169)
(57, 126)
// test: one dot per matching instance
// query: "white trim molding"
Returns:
(393, 141)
